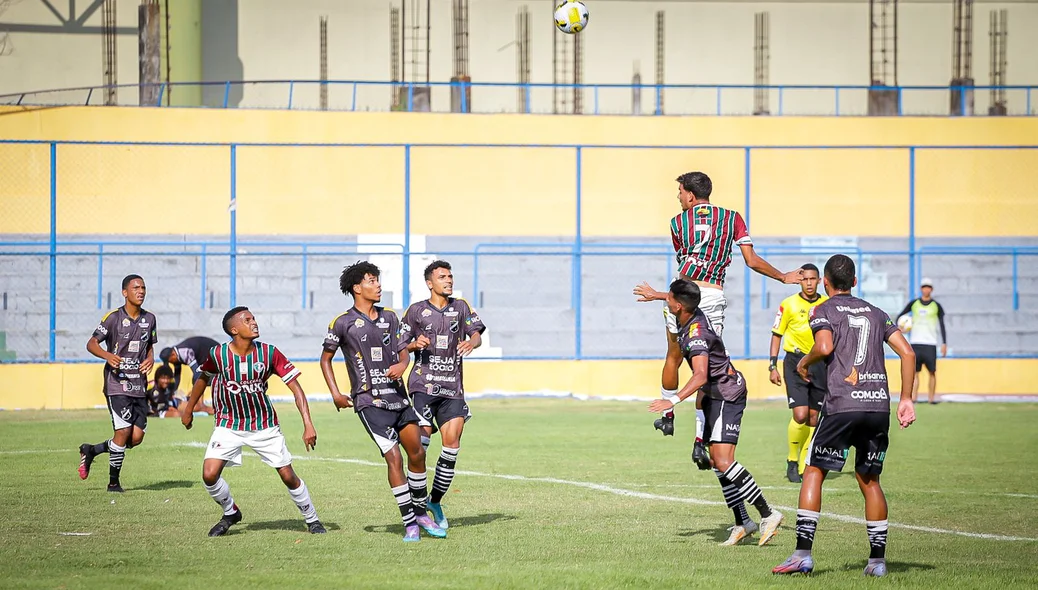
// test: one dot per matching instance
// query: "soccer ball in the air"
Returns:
(570, 16)
(904, 323)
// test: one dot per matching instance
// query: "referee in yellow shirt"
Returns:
(792, 322)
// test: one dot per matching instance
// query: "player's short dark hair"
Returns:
(163, 371)
(353, 275)
(164, 355)
(697, 183)
(687, 293)
(435, 264)
(129, 279)
(840, 271)
(227, 317)
(809, 266)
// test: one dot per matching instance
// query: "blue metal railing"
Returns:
(576, 247)
(284, 94)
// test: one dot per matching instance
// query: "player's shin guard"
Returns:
(115, 462)
(747, 489)
(301, 496)
(444, 474)
(807, 522)
(731, 498)
(700, 423)
(221, 493)
(403, 501)
(877, 538)
(419, 485)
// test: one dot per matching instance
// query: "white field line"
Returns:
(647, 496)
(611, 490)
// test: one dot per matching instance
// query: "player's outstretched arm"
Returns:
(761, 266)
(700, 368)
(822, 348)
(905, 407)
(646, 293)
(341, 401)
(192, 401)
(309, 433)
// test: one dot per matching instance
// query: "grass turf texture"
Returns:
(961, 467)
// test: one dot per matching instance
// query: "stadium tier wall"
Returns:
(824, 43)
(163, 197)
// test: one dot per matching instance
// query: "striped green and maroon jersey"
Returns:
(703, 239)
(240, 385)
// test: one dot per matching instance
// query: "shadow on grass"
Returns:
(716, 534)
(895, 567)
(160, 486)
(295, 525)
(457, 522)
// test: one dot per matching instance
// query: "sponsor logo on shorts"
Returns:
(731, 427)
(877, 457)
(831, 452)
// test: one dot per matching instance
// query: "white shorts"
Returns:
(269, 444)
(713, 305)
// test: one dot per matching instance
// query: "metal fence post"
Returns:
(911, 219)
(746, 269)
(578, 247)
(52, 348)
(233, 249)
(407, 222)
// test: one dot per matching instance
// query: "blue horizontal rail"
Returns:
(285, 94)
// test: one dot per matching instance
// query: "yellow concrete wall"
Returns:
(513, 191)
(74, 386)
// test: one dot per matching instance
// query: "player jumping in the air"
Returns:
(849, 334)
(238, 371)
(440, 331)
(129, 335)
(805, 397)
(369, 337)
(703, 235)
(723, 405)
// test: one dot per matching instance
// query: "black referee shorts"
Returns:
(925, 356)
(804, 393)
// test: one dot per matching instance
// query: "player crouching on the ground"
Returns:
(239, 371)
(724, 400)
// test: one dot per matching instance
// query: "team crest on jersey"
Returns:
(358, 323)
(386, 338)
(454, 327)
(259, 367)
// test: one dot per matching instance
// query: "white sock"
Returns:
(700, 422)
(221, 492)
(301, 496)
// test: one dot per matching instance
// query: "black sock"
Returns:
(877, 538)
(807, 522)
(419, 486)
(101, 447)
(748, 489)
(115, 462)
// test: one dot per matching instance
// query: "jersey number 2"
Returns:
(861, 324)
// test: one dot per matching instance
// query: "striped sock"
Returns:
(115, 462)
(221, 493)
(807, 523)
(403, 501)
(877, 538)
(444, 473)
(748, 490)
(419, 484)
(731, 498)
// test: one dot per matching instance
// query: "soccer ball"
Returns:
(904, 323)
(570, 16)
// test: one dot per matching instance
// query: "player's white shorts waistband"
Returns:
(226, 444)
(712, 303)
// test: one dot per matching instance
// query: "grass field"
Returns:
(550, 494)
